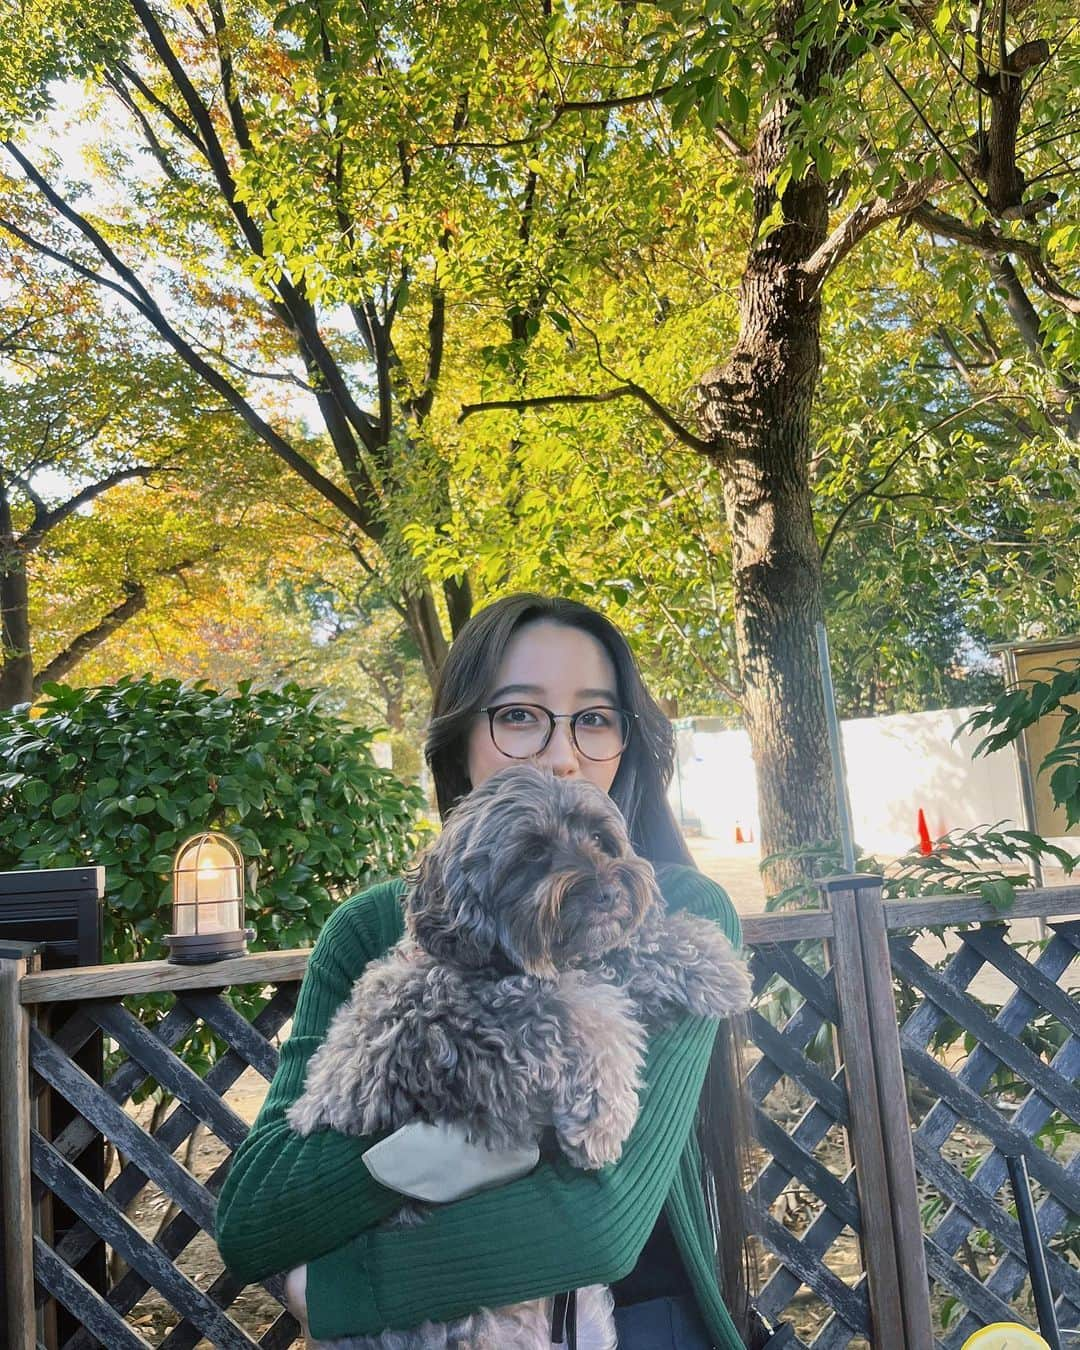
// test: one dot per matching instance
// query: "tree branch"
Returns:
(279, 376)
(867, 216)
(149, 135)
(871, 489)
(1026, 318)
(39, 246)
(167, 111)
(963, 368)
(628, 390)
(935, 137)
(1019, 305)
(561, 110)
(732, 144)
(58, 667)
(725, 686)
(986, 239)
(9, 341)
(420, 406)
(47, 518)
(208, 140)
(297, 312)
(990, 343)
(39, 506)
(228, 83)
(362, 511)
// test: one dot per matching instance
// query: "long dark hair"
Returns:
(640, 791)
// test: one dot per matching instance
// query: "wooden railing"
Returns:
(835, 1059)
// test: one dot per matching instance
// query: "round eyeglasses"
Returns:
(522, 730)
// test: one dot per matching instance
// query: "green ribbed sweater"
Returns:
(289, 1200)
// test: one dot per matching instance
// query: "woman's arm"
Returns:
(289, 1199)
(558, 1228)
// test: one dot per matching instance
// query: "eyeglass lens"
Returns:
(522, 730)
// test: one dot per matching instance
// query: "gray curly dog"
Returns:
(537, 950)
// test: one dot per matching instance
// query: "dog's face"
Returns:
(531, 870)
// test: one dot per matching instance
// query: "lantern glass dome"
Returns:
(208, 900)
(207, 886)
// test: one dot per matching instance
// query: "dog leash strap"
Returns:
(564, 1320)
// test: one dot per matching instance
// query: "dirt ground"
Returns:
(255, 1310)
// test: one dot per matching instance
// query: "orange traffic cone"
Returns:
(926, 844)
(743, 836)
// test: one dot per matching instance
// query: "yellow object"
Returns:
(1005, 1336)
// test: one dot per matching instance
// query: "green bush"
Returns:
(1018, 709)
(121, 774)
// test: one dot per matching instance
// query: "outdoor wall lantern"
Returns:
(208, 902)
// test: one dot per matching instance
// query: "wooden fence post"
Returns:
(866, 1130)
(895, 1122)
(17, 1214)
(880, 1126)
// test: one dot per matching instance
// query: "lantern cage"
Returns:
(208, 901)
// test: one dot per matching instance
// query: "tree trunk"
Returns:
(458, 593)
(16, 667)
(423, 620)
(777, 577)
(756, 408)
(395, 711)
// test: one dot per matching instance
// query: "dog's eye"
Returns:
(601, 840)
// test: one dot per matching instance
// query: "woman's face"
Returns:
(564, 670)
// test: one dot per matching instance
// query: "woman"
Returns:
(553, 681)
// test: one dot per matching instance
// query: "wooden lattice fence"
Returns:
(77, 1003)
(955, 1052)
(838, 1155)
(1044, 1100)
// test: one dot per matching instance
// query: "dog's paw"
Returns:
(595, 1151)
(305, 1115)
(595, 1139)
(688, 963)
(716, 981)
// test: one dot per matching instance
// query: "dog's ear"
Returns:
(445, 909)
(530, 933)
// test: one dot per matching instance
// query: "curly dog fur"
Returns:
(537, 950)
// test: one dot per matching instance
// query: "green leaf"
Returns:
(168, 810)
(1001, 894)
(34, 791)
(65, 804)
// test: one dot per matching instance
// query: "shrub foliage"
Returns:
(1017, 709)
(121, 774)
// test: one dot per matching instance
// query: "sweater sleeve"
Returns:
(559, 1227)
(287, 1198)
